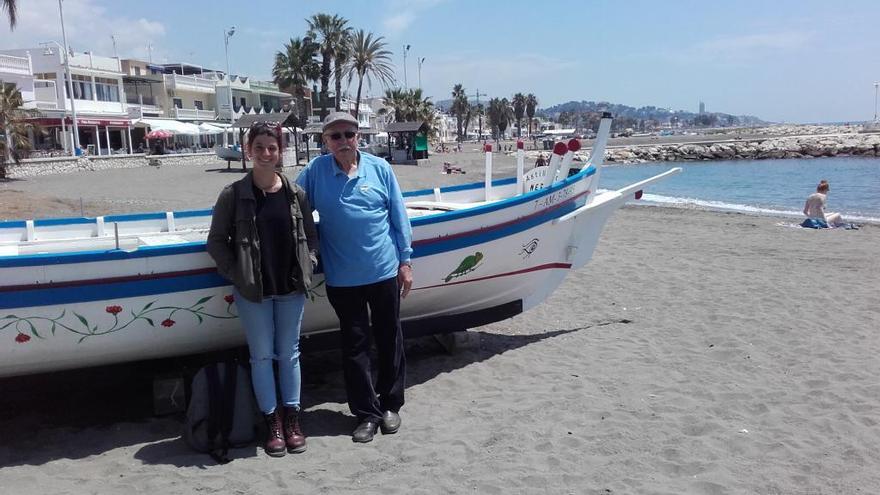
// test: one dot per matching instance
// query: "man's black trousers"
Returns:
(351, 305)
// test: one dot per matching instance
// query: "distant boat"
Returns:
(80, 292)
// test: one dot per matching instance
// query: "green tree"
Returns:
(295, 67)
(460, 109)
(500, 114)
(369, 59)
(531, 106)
(409, 105)
(11, 11)
(332, 31)
(14, 142)
(519, 109)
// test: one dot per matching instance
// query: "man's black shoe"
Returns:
(365, 431)
(390, 422)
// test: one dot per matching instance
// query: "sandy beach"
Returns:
(698, 352)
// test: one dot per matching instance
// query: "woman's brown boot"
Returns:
(293, 436)
(274, 439)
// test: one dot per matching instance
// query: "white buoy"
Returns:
(520, 166)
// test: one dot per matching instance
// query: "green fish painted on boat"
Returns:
(467, 265)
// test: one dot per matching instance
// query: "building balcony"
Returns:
(194, 114)
(140, 111)
(140, 100)
(176, 82)
(15, 65)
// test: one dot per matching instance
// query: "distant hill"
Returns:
(585, 114)
(626, 116)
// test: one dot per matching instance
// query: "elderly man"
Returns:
(365, 247)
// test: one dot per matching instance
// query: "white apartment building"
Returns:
(98, 96)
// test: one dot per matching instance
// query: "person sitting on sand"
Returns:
(814, 208)
(540, 162)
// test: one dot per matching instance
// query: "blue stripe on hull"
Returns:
(109, 291)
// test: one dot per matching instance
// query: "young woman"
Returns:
(264, 241)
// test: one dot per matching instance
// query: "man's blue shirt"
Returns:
(365, 232)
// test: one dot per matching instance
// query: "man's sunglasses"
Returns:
(336, 136)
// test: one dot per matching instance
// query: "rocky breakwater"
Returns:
(49, 166)
(752, 149)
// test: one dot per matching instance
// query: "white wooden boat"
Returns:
(80, 292)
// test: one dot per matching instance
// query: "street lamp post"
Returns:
(405, 50)
(421, 61)
(876, 85)
(69, 82)
(226, 35)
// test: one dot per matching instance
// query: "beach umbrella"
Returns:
(159, 134)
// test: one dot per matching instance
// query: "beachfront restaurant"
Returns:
(98, 134)
(183, 137)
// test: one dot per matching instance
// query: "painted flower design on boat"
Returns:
(37, 326)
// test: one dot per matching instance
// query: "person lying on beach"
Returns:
(814, 208)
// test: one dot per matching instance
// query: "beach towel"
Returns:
(814, 223)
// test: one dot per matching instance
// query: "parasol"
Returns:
(159, 134)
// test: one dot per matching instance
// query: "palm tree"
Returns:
(519, 108)
(340, 60)
(332, 31)
(14, 140)
(460, 108)
(294, 67)
(410, 106)
(531, 105)
(11, 11)
(369, 59)
(500, 114)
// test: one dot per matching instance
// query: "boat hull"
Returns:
(471, 267)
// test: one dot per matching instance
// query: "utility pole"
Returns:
(479, 113)
(421, 61)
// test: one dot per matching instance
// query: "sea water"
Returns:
(763, 187)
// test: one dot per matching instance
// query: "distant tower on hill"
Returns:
(702, 108)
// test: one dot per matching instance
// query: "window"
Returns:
(137, 71)
(178, 103)
(82, 87)
(44, 75)
(106, 89)
(243, 101)
(198, 105)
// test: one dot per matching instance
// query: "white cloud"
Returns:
(498, 76)
(89, 27)
(748, 47)
(405, 12)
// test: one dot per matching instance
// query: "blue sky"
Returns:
(796, 61)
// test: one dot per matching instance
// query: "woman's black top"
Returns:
(274, 226)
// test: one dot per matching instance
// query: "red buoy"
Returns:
(520, 145)
(559, 148)
(639, 194)
(487, 148)
(574, 145)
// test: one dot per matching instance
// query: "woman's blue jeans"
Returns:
(272, 328)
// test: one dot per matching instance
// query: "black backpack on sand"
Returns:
(221, 410)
